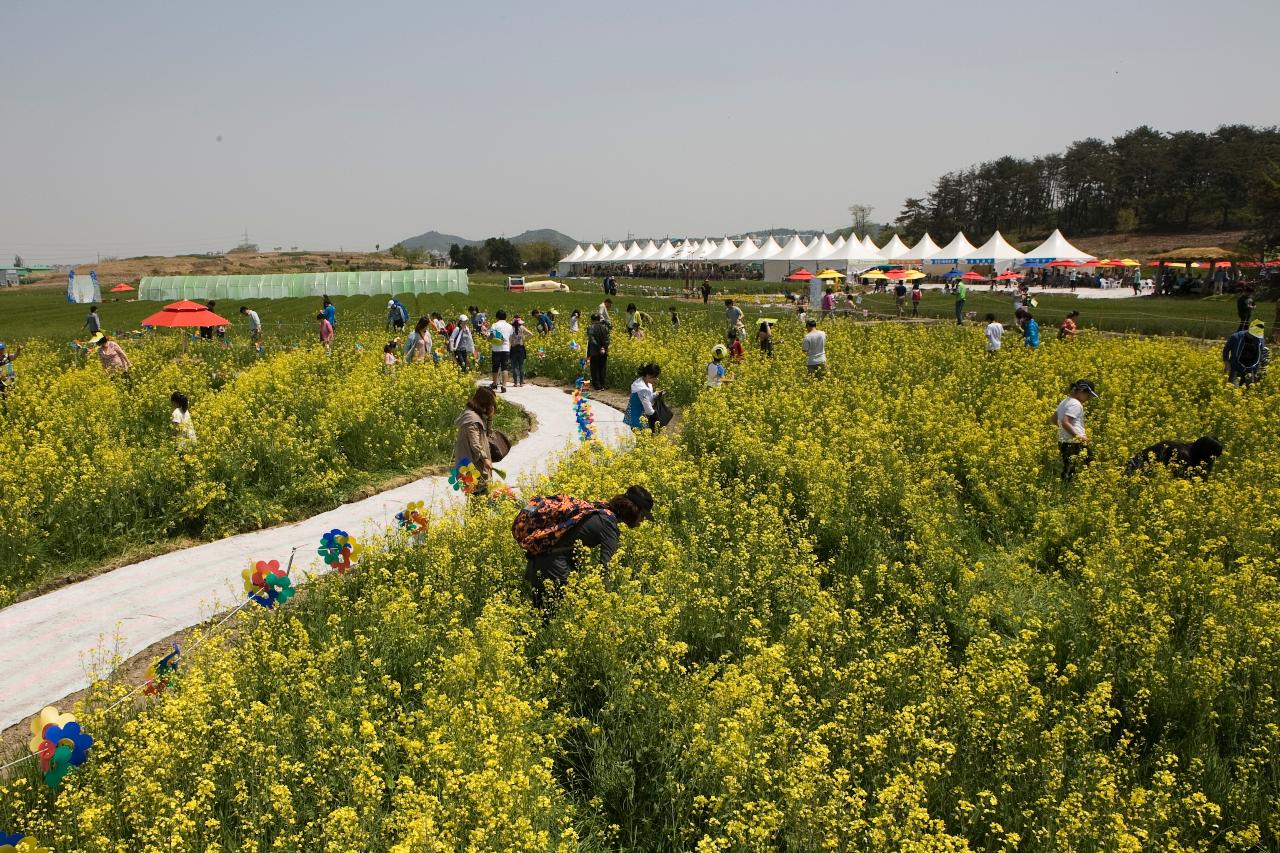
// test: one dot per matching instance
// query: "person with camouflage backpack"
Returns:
(550, 526)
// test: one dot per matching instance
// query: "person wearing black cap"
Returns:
(549, 529)
(1073, 441)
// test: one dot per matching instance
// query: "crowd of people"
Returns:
(550, 527)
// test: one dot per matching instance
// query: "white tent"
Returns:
(894, 250)
(650, 252)
(590, 255)
(574, 256)
(856, 252)
(633, 252)
(836, 248)
(819, 251)
(1056, 248)
(951, 253)
(744, 251)
(724, 251)
(616, 255)
(869, 245)
(768, 250)
(707, 250)
(666, 251)
(924, 249)
(794, 249)
(994, 251)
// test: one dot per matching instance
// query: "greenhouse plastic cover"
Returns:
(283, 285)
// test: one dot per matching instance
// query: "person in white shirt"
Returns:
(462, 344)
(1073, 441)
(994, 333)
(815, 348)
(255, 324)
(500, 351)
(603, 311)
(180, 420)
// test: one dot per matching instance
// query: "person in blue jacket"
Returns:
(1031, 332)
(330, 312)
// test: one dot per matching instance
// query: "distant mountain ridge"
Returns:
(436, 241)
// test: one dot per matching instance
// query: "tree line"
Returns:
(1143, 180)
(496, 254)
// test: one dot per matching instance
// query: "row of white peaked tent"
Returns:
(851, 251)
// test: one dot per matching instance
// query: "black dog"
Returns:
(1190, 460)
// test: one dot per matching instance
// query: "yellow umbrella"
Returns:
(829, 274)
(873, 274)
(912, 275)
(1128, 262)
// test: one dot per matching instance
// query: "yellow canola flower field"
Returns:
(91, 463)
(866, 616)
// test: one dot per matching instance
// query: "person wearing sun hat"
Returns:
(1245, 354)
(1073, 441)
(461, 343)
(715, 368)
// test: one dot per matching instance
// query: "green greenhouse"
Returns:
(281, 285)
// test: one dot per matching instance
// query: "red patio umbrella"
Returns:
(972, 276)
(121, 288)
(183, 314)
(1007, 276)
(801, 274)
(1064, 263)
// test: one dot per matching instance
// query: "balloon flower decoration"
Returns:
(464, 476)
(339, 549)
(413, 518)
(163, 673)
(542, 352)
(266, 583)
(19, 843)
(582, 411)
(58, 742)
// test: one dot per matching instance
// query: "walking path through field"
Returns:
(50, 641)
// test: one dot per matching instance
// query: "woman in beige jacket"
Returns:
(474, 426)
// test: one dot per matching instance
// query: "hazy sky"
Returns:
(350, 124)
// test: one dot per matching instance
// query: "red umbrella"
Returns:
(184, 313)
(801, 274)
(1064, 263)
(1007, 276)
(121, 288)
(972, 276)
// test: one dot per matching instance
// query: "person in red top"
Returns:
(1067, 331)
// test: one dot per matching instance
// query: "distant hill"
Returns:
(435, 241)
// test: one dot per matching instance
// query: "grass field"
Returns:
(44, 313)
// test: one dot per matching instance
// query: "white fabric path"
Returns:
(51, 641)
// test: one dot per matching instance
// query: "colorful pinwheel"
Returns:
(59, 743)
(255, 582)
(413, 518)
(464, 476)
(339, 549)
(162, 673)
